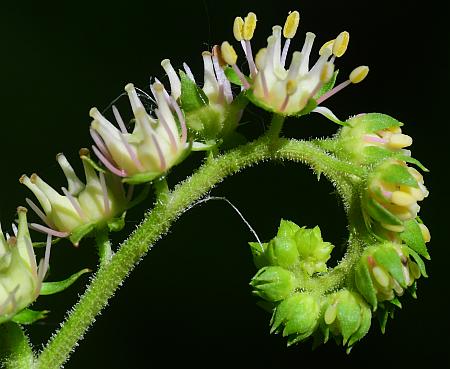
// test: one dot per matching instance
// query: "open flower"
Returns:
(155, 145)
(81, 207)
(20, 277)
(292, 90)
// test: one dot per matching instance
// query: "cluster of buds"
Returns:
(293, 90)
(369, 138)
(385, 271)
(345, 315)
(391, 198)
(81, 207)
(20, 276)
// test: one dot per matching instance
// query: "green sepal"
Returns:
(387, 257)
(233, 77)
(327, 86)
(141, 178)
(379, 213)
(418, 261)
(287, 229)
(376, 154)
(273, 283)
(50, 288)
(92, 163)
(384, 313)
(364, 282)
(396, 302)
(374, 122)
(81, 231)
(413, 290)
(258, 252)
(348, 315)
(282, 251)
(28, 316)
(412, 236)
(398, 175)
(364, 326)
(55, 240)
(192, 97)
(117, 224)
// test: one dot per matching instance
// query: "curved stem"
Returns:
(166, 210)
(15, 347)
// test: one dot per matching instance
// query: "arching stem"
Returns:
(166, 211)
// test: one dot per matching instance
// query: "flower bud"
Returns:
(393, 191)
(296, 317)
(273, 283)
(369, 138)
(313, 251)
(347, 315)
(20, 277)
(385, 271)
(282, 251)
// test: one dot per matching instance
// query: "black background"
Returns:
(188, 303)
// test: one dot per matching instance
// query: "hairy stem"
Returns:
(166, 211)
(105, 252)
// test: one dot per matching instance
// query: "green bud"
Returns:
(298, 314)
(273, 283)
(313, 251)
(282, 251)
(347, 315)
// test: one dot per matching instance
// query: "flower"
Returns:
(20, 277)
(155, 145)
(82, 207)
(293, 90)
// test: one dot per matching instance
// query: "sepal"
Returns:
(273, 283)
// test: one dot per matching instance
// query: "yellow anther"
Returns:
(399, 141)
(291, 87)
(260, 58)
(425, 232)
(381, 276)
(228, 53)
(326, 46)
(341, 43)
(393, 228)
(327, 72)
(330, 314)
(238, 27)
(401, 198)
(291, 24)
(415, 173)
(358, 74)
(249, 26)
(415, 192)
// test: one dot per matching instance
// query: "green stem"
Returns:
(275, 126)
(166, 210)
(15, 347)
(105, 252)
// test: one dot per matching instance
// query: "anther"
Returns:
(399, 141)
(84, 152)
(326, 46)
(401, 198)
(291, 24)
(249, 26)
(358, 74)
(425, 232)
(327, 72)
(340, 44)
(381, 276)
(230, 57)
(238, 27)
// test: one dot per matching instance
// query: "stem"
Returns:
(275, 126)
(105, 252)
(166, 210)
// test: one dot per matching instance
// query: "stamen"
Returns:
(99, 141)
(399, 141)
(181, 120)
(105, 193)
(425, 232)
(285, 51)
(128, 147)
(74, 203)
(189, 72)
(327, 46)
(173, 143)
(107, 163)
(14, 229)
(291, 24)
(230, 57)
(38, 212)
(401, 198)
(224, 84)
(250, 60)
(340, 44)
(46, 230)
(162, 160)
(375, 139)
(44, 267)
(249, 26)
(358, 74)
(238, 27)
(381, 276)
(175, 84)
(291, 88)
(335, 90)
